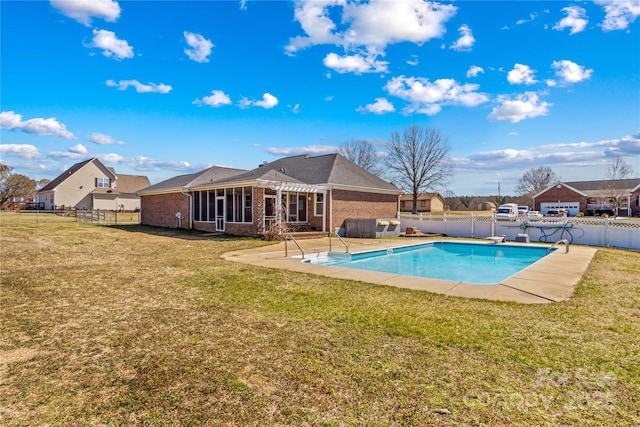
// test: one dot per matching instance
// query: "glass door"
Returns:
(269, 211)
(220, 213)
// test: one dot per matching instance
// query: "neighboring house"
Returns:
(91, 185)
(304, 192)
(427, 202)
(486, 206)
(612, 197)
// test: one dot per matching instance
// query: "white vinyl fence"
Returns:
(608, 232)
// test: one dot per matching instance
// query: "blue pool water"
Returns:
(480, 264)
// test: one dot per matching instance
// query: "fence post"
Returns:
(606, 232)
(473, 225)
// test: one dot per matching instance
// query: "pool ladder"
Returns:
(288, 237)
(566, 245)
(341, 240)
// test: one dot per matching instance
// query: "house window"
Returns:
(423, 203)
(239, 204)
(296, 207)
(103, 182)
(402, 205)
(319, 205)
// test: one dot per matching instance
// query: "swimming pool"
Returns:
(475, 263)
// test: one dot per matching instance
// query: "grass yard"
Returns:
(140, 326)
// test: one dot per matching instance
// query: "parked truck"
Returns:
(507, 211)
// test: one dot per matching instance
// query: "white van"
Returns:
(522, 210)
(508, 210)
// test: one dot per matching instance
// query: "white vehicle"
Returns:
(522, 210)
(534, 214)
(508, 210)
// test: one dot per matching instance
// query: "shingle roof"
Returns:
(618, 184)
(332, 169)
(421, 196)
(129, 184)
(126, 184)
(64, 175)
(204, 177)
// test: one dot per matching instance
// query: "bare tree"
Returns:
(362, 153)
(418, 160)
(613, 191)
(618, 169)
(535, 180)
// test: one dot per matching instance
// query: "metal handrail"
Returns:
(286, 249)
(566, 245)
(341, 240)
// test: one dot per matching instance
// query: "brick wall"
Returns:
(352, 204)
(563, 194)
(160, 210)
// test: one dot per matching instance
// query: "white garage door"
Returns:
(572, 207)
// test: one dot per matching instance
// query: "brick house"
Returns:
(426, 202)
(91, 185)
(613, 197)
(305, 192)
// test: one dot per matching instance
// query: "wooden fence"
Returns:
(105, 217)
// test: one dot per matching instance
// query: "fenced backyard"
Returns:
(136, 325)
(108, 217)
(603, 232)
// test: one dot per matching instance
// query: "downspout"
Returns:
(190, 207)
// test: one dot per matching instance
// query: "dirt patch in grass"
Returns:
(134, 325)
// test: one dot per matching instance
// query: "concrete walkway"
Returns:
(553, 278)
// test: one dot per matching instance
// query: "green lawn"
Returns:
(143, 326)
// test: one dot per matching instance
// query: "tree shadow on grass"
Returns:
(180, 233)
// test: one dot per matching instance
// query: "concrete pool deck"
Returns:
(551, 279)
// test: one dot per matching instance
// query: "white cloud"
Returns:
(78, 149)
(575, 20)
(140, 88)
(521, 74)
(532, 16)
(584, 154)
(374, 24)
(268, 101)
(474, 70)
(84, 10)
(102, 139)
(619, 13)
(381, 106)
(524, 106)
(295, 151)
(413, 61)
(200, 48)
(111, 46)
(466, 40)
(295, 109)
(26, 151)
(38, 126)
(427, 97)
(217, 99)
(569, 72)
(357, 64)
(628, 145)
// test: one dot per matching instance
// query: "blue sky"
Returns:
(163, 88)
